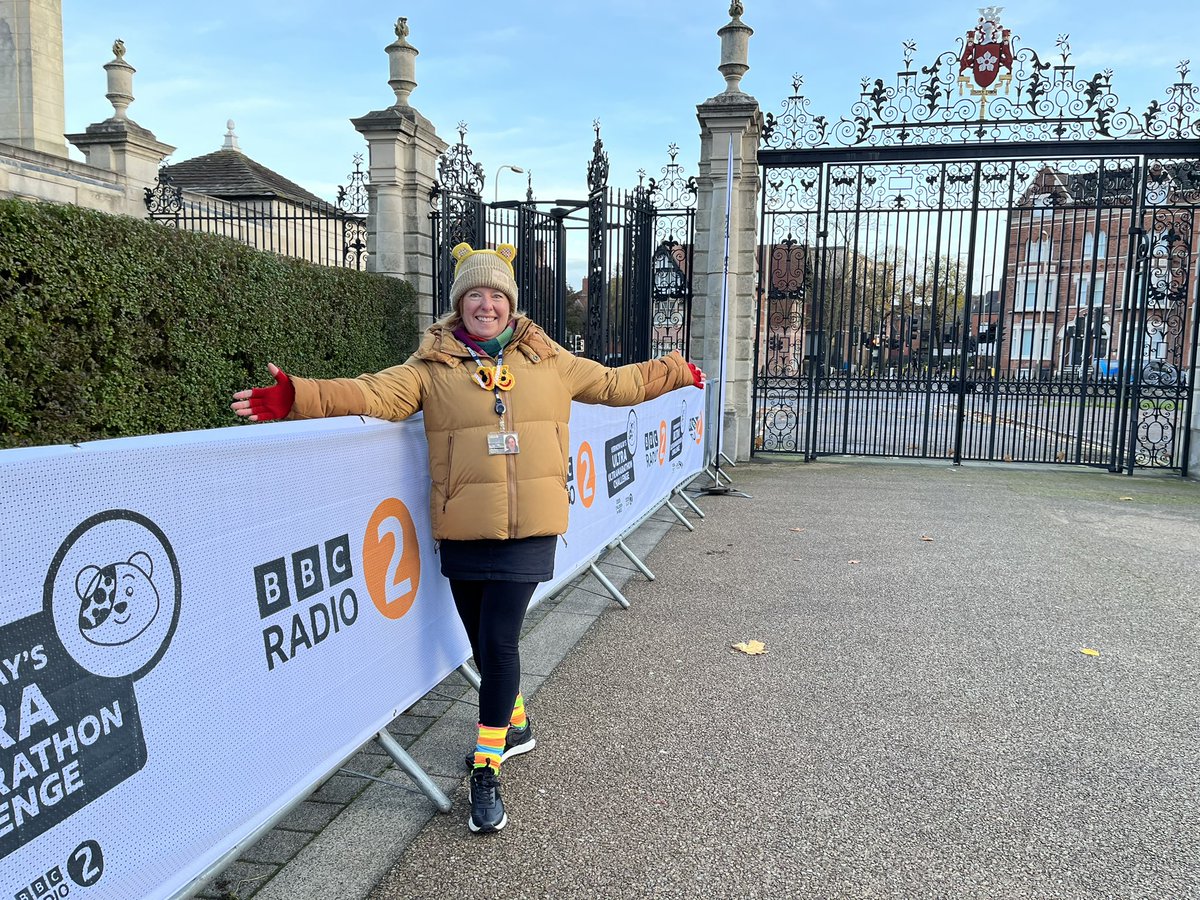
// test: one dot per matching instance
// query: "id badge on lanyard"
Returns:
(498, 378)
(503, 443)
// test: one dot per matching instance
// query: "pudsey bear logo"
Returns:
(113, 592)
(111, 601)
(119, 601)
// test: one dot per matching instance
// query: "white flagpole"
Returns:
(724, 342)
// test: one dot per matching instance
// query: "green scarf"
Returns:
(493, 347)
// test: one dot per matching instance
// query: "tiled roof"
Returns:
(231, 175)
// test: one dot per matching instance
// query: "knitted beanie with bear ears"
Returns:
(483, 269)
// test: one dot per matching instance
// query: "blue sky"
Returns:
(529, 77)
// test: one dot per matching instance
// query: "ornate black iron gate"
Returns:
(988, 261)
(636, 296)
(673, 198)
(460, 214)
(640, 247)
(618, 268)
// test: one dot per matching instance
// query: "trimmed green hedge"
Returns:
(111, 326)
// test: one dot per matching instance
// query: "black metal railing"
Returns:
(321, 233)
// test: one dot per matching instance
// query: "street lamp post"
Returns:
(496, 183)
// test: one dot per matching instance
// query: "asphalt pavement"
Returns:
(978, 681)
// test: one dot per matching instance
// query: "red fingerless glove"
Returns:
(697, 375)
(273, 402)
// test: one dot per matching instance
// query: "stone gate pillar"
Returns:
(31, 75)
(120, 144)
(730, 125)
(404, 148)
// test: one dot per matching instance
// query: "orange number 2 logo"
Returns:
(585, 468)
(392, 558)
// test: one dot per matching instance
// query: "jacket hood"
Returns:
(440, 345)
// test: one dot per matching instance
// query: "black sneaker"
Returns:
(516, 742)
(487, 809)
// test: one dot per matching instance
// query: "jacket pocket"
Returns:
(563, 451)
(449, 469)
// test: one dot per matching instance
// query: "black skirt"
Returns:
(521, 559)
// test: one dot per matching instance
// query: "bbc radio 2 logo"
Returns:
(316, 584)
(654, 444)
(665, 443)
(84, 867)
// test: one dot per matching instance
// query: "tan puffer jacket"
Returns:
(476, 495)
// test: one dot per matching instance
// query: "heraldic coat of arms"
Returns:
(987, 52)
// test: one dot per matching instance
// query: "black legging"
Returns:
(492, 612)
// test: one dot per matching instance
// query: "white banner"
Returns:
(624, 462)
(196, 629)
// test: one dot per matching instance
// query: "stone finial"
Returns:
(231, 139)
(402, 59)
(735, 49)
(120, 81)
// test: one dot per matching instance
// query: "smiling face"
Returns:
(485, 312)
(118, 602)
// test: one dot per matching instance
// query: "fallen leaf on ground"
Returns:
(926, 537)
(1008, 459)
(1126, 498)
(1088, 651)
(854, 562)
(797, 529)
(751, 648)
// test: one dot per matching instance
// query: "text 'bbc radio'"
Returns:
(306, 584)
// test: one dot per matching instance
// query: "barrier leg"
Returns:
(400, 756)
(682, 495)
(717, 488)
(680, 516)
(609, 586)
(728, 460)
(471, 675)
(632, 557)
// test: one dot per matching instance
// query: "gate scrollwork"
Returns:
(990, 256)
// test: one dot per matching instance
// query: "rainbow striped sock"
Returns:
(489, 748)
(518, 713)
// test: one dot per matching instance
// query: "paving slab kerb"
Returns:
(923, 723)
